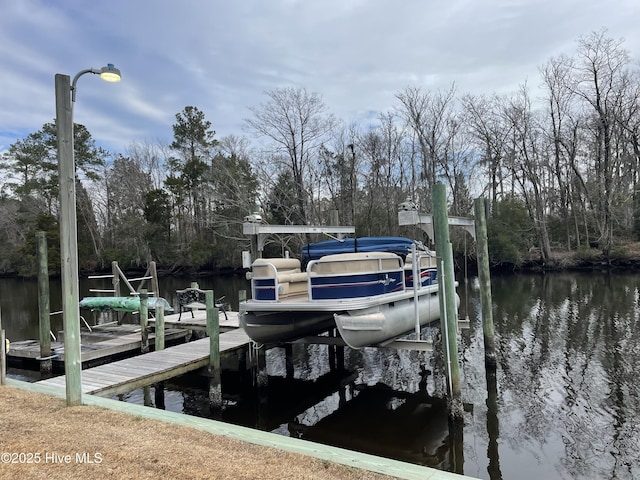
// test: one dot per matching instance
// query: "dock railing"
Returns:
(117, 275)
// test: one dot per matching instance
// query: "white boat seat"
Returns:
(356, 262)
(286, 271)
(426, 261)
(292, 277)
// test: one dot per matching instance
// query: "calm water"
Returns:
(565, 402)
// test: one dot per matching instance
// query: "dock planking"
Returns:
(144, 370)
(197, 320)
(98, 344)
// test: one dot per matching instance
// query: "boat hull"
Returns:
(383, 323)
(284, 326)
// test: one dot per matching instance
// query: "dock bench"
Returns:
(195, 299)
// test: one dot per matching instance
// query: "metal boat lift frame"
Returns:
(261, 231)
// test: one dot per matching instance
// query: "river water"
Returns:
(564, 403)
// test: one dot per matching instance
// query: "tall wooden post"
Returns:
(153, 273)
(3, 354)
(493, 425)
(68, 242)
(288, 360)
(115, 281)
(159, 343)
(158, 388)
(485, 283)
(213, 330)
(144, 321)
(43, 302)
(339, 353)
(447, 296)
(242, 354)
(262, 377)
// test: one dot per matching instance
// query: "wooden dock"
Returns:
(199, 320)
(101, 342)
(144, 370)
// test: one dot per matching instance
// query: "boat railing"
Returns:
(355, 275)
(274, 278)
(427, 267)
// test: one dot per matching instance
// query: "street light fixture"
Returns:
(65, 97)
(109, 73)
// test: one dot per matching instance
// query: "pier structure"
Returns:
(144, 370)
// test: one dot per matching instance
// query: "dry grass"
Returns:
(126, 446)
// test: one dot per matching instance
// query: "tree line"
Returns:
(558, 164)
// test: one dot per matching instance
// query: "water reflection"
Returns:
(568, 402)
(563, 403)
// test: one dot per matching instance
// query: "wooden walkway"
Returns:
(199, 320)
(101, 343)
(144, 370)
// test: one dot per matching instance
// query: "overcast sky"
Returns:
(221, 56)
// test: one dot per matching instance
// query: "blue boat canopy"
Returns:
(398, 245)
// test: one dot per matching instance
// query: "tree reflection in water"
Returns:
(569, 347)
(563, 403)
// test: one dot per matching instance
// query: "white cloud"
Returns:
(221, 56)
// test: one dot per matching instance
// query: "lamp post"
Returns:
(65, 96)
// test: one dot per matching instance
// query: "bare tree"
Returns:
(151, 156)
(296, 123)
(600, 82)
(530, 163)
(339, 173)
(562, 130)
(428, 114)
(383, 168)
(486, 124)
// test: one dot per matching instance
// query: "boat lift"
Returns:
(260, 232)
(408, 214)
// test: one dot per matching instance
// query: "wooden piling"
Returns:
(146, 396)
(158, 387)
(115, 282)
(213, 330)
(448, 310)
(144, 321)
(68, 242)
(153, 273)
(493, 425)
(485, 283)
(288, 360)
(243, 354)
(159, 327)
(43, 303)
(260, 356)
(158, 390)
(3, 357)
(3, 354)
(340, 358)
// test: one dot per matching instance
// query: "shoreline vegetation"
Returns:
(624, 257)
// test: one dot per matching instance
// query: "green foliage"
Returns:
(509, 231)
(26, 263)
(200, 252)
(283, 203)
(192, 133)
(157, 211)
